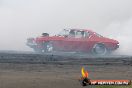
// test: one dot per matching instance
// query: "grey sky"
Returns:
(20, 19)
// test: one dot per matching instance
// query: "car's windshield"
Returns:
(64, 32)
(98, 35)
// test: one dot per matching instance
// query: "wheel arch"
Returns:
(99, 43)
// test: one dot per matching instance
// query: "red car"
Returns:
(74, 40)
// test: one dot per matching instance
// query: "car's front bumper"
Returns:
(117, 46)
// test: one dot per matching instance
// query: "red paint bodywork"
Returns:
(62, 43)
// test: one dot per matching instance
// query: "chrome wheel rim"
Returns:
(100, 50)
(50, 47)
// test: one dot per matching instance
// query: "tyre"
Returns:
(99, 49)
(37, 50)
(48, 47)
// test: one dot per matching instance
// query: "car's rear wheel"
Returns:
(99, 49)
(48, 47)
(37, 50)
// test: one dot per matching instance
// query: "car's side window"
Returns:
(64, 33)
(86, 34)
(79, 34)
(72, 33)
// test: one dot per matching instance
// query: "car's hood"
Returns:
(112, 40)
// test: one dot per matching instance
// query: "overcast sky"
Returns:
(20, 19)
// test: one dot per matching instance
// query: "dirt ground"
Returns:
(56, 76)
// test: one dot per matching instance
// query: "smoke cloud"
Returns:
(20, 19)
(121, 31)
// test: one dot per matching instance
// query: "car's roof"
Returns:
(82, 30)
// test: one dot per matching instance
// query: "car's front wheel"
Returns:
(99, 49)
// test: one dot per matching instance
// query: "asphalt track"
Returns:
(63, 58)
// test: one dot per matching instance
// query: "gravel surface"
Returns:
(29, 70)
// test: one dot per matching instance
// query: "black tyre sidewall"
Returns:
(94, 52)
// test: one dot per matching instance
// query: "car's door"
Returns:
(62, 44)
(81, 41)
(68, 43)
(77, 42)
